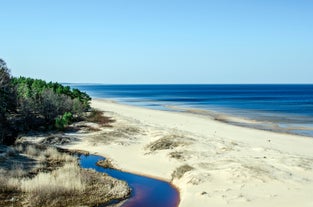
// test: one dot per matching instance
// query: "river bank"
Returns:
(145, 191)
(37, 175)
(212, 163)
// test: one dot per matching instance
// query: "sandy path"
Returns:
(216, 164)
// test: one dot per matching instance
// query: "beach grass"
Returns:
(34, 175)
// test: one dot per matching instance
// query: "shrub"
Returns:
(63, 121)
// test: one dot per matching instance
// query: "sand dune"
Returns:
(211, 162)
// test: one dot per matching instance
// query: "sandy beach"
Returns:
(211, 163)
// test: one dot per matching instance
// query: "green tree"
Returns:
(29, 104)
(6, 100)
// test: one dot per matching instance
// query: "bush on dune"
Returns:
(63, 121)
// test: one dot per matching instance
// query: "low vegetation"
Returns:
(105, 163)
(180, 171)
(37, 175)
(46, 177)
(179, 155)
(97, 116)
(62, 183)
(167, 142)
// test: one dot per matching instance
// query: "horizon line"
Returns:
(81, 83)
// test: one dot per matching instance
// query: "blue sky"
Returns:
(161, 41)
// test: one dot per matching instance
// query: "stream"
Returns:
(145, 191)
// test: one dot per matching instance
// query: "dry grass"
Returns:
(105, 163)
(70, 185)
(178, 155)
(167, 142)
(58, 181)
(119, 134)
(52, 153)
(8, 184)
(42, 153)
(4, 187)
(46, 188)
(88, 128)
(63, 180)
(17, 171)
(31, 150)
(102, 188)
(97, 116)
(57, 140)
(180, 171)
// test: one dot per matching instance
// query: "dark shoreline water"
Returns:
(284, 108)
(145, 191)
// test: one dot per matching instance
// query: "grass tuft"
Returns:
(44, 176)
(180, 171)
(97, 116)
(166, 142)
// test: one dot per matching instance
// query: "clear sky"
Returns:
(160, 41)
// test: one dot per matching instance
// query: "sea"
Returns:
(286, 108)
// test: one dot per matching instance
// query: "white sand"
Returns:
(232, 166)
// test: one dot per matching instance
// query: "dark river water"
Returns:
(145, 191)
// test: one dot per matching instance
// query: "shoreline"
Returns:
(228, 164)
(229, 118)
(246, 122)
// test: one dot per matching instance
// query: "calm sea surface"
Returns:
(286, 108)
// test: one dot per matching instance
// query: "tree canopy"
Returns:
(7, 102)
(31, 104)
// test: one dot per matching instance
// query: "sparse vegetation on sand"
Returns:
(178, 155)
(180, 171)
(120, 134)
(105, 163)
(97, 116)
(167, 142)
(32, 175)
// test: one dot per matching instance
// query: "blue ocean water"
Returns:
(286, 108)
